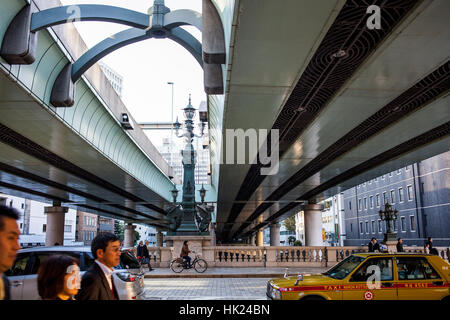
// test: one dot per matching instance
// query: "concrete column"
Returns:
(275, 234)
(260, 238)
(212, 232)
(313, 224)
(55, 224)
(252, 240)
(159, 238)
(128, 239)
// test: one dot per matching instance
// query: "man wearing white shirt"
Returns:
(97, 283)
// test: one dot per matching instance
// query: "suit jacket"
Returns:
(94, 285)
(373, 247)
(6, 285)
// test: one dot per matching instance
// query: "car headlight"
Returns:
(276, 294)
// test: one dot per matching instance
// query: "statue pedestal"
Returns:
(197, 243)
(390, 241)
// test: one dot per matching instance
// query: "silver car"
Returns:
(128, 275)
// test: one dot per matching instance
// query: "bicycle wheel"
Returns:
(200, 265)
(176, 267)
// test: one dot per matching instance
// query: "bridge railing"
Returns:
(267, 256)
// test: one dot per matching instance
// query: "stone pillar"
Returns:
(128, 239)
(313, 224)
(260, 238)
(252, 240)
(55, 224)
(212, 233)
(275, 234)
(159, 238)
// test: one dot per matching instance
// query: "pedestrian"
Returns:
(146, 256)
(400, 245)
(9, 245)
(97, 283)
(429, 247)
(374, 245)
(140, 251)
(185, 253)
(59, 278)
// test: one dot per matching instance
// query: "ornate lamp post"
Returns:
(189, 217)
(390, 216)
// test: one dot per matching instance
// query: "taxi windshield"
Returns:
(345, 267)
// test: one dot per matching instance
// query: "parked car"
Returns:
(370, 276)
(128, 275)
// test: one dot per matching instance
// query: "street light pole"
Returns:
(171, 130)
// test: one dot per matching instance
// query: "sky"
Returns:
(147, 66)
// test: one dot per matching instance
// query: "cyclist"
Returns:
(185, 253)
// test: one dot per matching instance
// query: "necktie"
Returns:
(112, 289)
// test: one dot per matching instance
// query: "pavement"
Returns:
(214, 283)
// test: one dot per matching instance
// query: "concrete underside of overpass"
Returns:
(342, 121)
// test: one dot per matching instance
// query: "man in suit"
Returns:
(97, 283)
(400, 245)
(9, 245)
(374, 245)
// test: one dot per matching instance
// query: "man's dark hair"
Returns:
(51, 275)
(7, 212)
(373, 239)
(101, 241)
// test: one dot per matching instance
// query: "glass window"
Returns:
(350, 205)
(385, 200)
(412, 223)
(403, 223)
(373, 226)
(40, 257)
(361, 227)
(371, 202)
(19, 267)
(365, 203)
(382, 265)
(400, 194)
(377, 200)
(380, 226)
(345, 267)
(44, 227)
(128, 259)
(359, 204)
(412, 268)
(367, 226)
(88, 261)
(410, 193)
(392, 196)
(67, 228)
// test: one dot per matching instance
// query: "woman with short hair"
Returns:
(59, 278)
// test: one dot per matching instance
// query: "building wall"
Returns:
(421, 194)
(86, 227)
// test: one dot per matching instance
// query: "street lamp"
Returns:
(390, 216)
(202, 192)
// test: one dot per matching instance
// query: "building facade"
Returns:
(105, 225)
(421, 194)
(113, 77)
(86, 227)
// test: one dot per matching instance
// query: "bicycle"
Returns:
(179, 264)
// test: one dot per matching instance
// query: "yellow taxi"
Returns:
(370, 276)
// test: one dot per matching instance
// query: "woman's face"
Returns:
(72, 280)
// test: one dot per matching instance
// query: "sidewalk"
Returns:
(255, 272)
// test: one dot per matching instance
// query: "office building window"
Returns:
(392, 196)
(371, 202)
(403, 223)
(412, 223)
(367, 227)
(44, 228)
(373, 226)
(365, 203)
(361, 228)
(380, 226)
(385, 200)
(410, 193)
(396, 222)
(359, 204)
(350, 205)
(400, 194)
(378, 200)
(67, 228)
(351, 227)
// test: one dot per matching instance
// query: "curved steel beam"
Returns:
(105, 47)
(183, 17)
(88, 12)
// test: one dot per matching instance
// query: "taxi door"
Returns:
(418, 280)
(373, 280)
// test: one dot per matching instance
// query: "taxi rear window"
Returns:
(415, 268)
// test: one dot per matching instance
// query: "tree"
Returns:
(289, 224)
(136, 237)
(118, 230)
